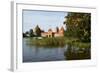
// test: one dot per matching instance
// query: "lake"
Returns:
(32, 53)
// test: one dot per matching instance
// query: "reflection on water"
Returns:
(73, 53)
(37, 54)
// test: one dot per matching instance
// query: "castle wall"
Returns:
(50, 33)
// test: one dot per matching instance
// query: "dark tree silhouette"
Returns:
(31, 33)
(38, 31)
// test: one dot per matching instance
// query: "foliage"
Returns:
(26, 34)
(31, 33)
(78, 25)
(37, 31)
(47, 42)
(57, 42)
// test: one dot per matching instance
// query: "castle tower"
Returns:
(50, 33)
(57, 29)
(61, 31)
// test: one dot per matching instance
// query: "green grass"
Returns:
(58, 42)
(77, 43)
(50, 42)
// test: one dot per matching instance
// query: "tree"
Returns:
(24, 35)
(37, 31)
(79, 25)
(27, 34)
(31, 33)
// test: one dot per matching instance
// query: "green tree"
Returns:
(79, 25)
(26, 34)
(38, 31)
(31, 33)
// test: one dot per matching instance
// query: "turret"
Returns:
(61, 31)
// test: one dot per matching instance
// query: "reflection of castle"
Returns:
(50, 33)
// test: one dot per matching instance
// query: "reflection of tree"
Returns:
(72, 53)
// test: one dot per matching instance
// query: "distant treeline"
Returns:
(31, 33)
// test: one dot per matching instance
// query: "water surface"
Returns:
(35, 54)
(32, 53)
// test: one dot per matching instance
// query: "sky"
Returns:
(44, 19)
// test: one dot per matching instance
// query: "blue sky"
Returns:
(44, 19)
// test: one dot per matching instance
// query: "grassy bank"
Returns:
(57, 42)
(47, 42)
(77, 43)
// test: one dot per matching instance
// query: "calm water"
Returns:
(37, 54)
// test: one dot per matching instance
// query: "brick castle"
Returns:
(50, 33)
